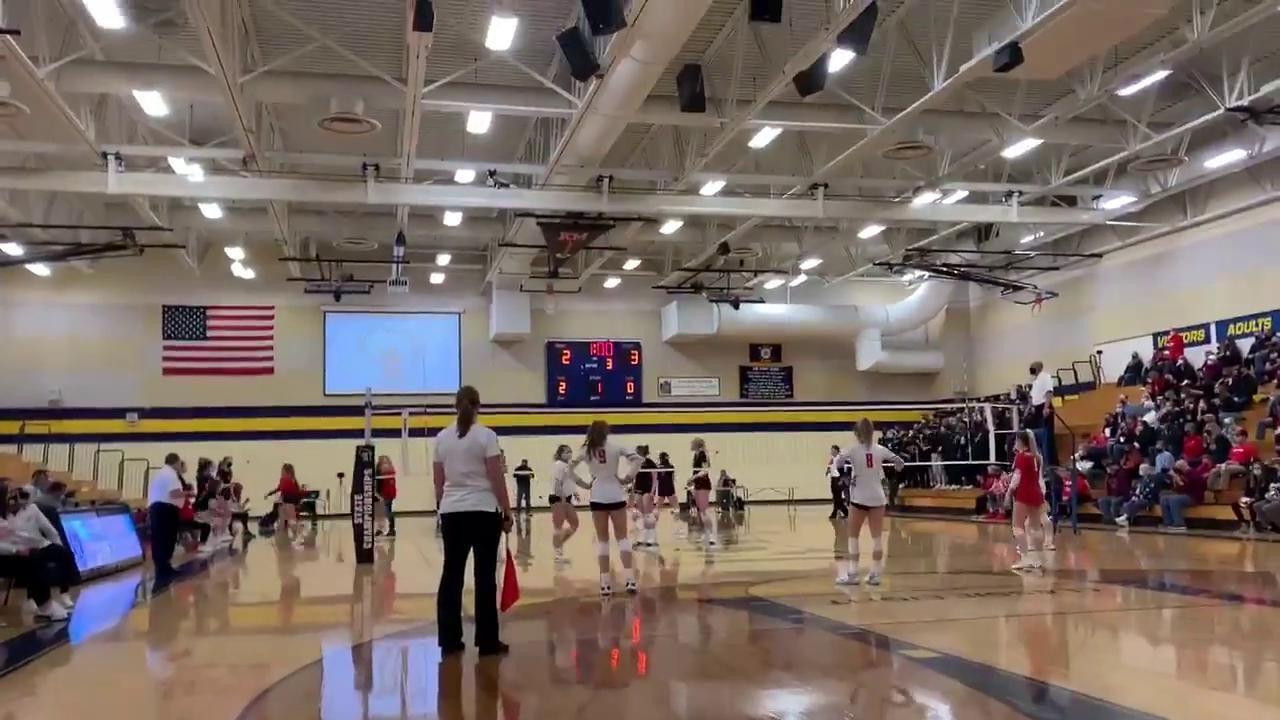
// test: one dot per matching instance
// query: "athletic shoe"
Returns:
(848, 579)
(1122, 521)
(873, 578)
(65, 601)
(1024, 563)
(499, 649)
(1050, 547)
(453, 650)
(606, 590)
(29, 607)
(1177, 528)
(632, 588)
(391, 533)
(559, 554)
(711, 540)
(52, 612)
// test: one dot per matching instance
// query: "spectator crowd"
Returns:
(1178, 435)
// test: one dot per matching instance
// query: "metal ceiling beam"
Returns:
(975, 67)
(298, 88)
(214, 21)
(417, 48)
(373, 192)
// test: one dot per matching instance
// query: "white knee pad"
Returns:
(877, 544)
(624, 545)
(602, 549)
(853, 547)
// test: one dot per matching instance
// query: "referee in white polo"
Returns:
(1040, 417)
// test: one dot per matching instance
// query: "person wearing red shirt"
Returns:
(1240, 459)
(290, 492)
(386, 476)
(1192, 444)
(1176, 346)
(1026, 495)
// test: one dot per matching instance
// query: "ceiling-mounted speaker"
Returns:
(857, 35)
(812, 79)
(577, 53)
(604, 17)
(765, 11)
(690, 89)
(424, 17)
(1008, 57)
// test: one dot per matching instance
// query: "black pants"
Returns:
(524, 496)
(41, 571)
(162, 517)
(465, 533)
(200, 528)
(391, 515)
(242, 518)
(838, 506)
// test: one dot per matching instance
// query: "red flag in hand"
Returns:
(510, 585)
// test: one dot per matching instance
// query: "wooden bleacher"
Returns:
(1084, 414)
(18, 469)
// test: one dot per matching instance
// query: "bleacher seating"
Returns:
(19, 469)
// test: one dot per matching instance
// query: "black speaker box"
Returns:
(765, 11)
(1008, 57)
(604, 17)
(577, 52)
(424, 16)
(689, 87)
(812, 79)
(857, 35)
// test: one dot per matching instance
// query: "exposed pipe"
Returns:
(183, 82)
(692, 319)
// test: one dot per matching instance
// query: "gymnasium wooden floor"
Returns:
(1137, 627)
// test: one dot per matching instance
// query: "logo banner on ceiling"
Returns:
(566, 239)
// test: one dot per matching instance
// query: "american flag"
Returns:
(218, 340)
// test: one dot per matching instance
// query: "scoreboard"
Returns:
(591, 373)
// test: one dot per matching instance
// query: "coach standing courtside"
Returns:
(474, 510)
(165, 496)
(1040, 418)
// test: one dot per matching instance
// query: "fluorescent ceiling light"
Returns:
(926, 197)
(436, 278)
(671, 226)
(774, 284)
(764, 136)
(241, 271)
(452, 218)
(12, 249)
(711, 187)
(248, 274)
(631, 264)
(1030, 238)
(612, 281)
(798, 280)
(810, 263)
(870, 231)
(106, 13)
(478, 121)
(839, 58)
(1020, 148)
(1146, 82)
(443, 259)
(195, 173)
(502, 30)
(210, 210)
(955, 197)
(151, 102)
(463, 176)
(235, 253)
(179, 165)
(1118, 202)
(1223, 159)
(38, 269)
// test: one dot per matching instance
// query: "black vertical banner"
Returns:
(362, 503)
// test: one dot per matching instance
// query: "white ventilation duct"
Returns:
(692, 319)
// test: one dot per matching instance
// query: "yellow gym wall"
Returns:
(92, 338)
(1213, 272)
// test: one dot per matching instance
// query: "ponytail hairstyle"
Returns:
(597, 434)
(467, 403)
(1028, 441)
(286, 470)
(864, 431)
(698, 444)
(561, 451)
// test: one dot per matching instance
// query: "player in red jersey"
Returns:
(1026, 495)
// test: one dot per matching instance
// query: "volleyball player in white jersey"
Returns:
(867, 500)
(564, 484)
(609, 499)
